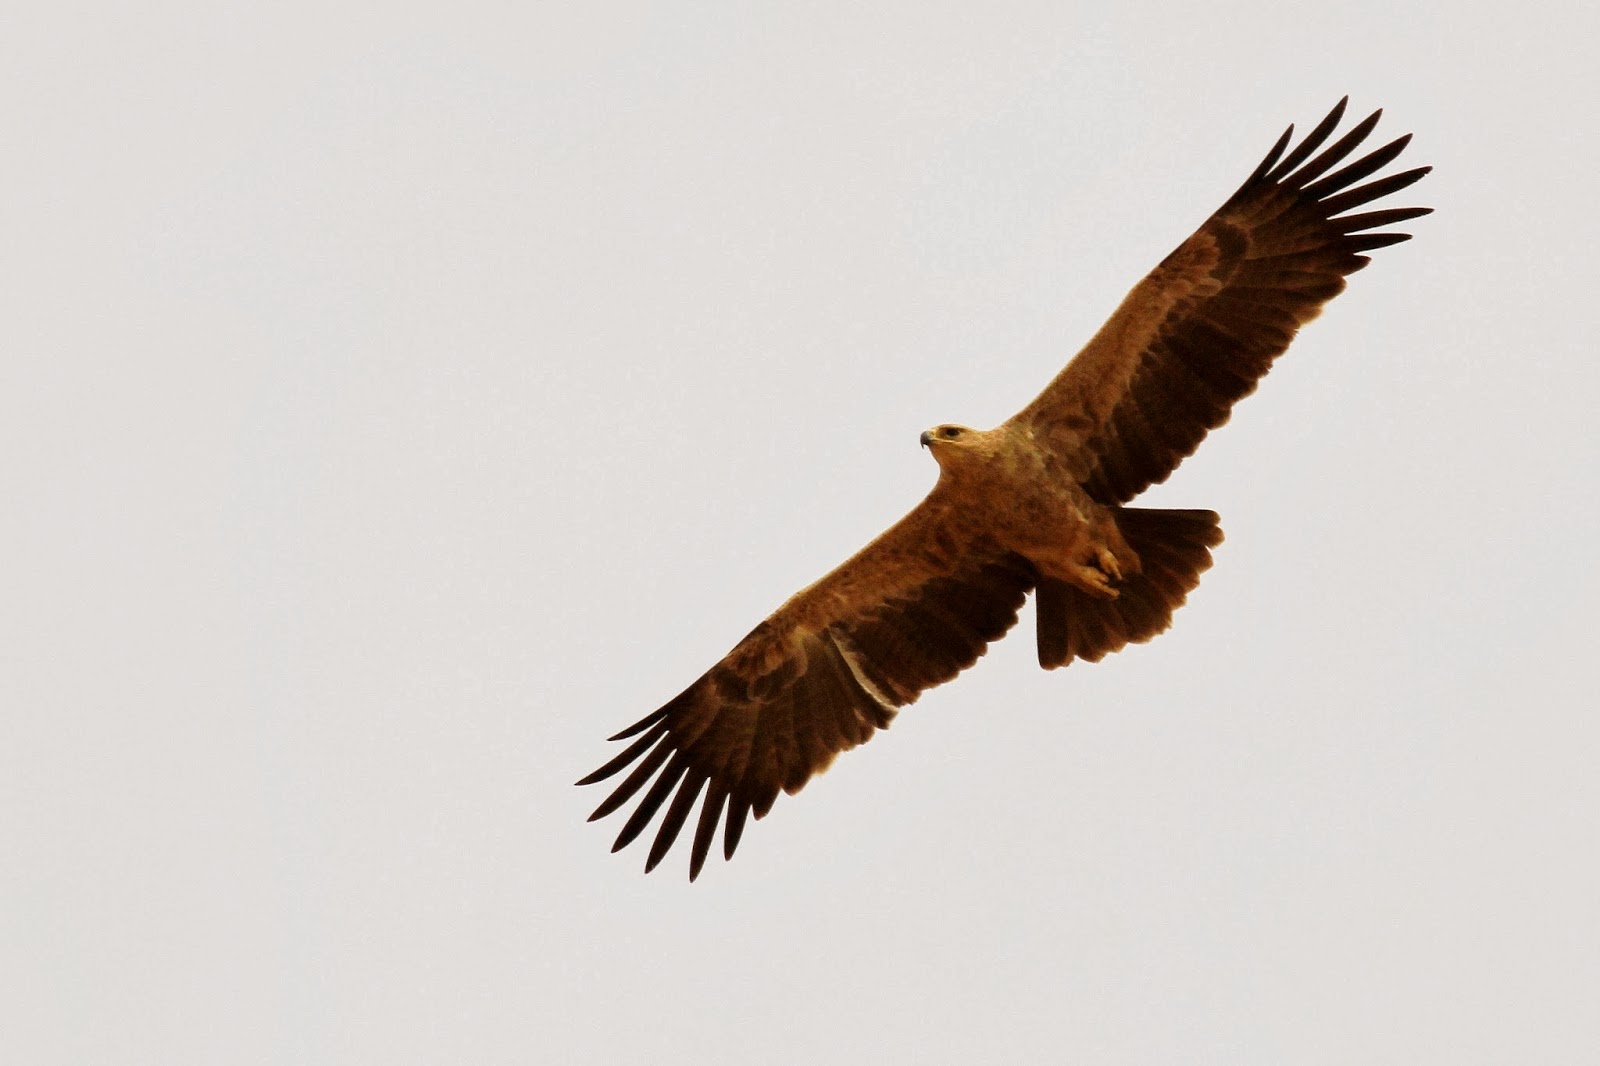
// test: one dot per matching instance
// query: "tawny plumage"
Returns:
(1037, 503)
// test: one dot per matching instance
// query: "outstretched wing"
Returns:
(827, 669)
(1197, 334)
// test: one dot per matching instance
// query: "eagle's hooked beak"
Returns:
(926, 438)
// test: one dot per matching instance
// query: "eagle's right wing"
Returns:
(827, 669)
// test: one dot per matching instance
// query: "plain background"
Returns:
(395, 402)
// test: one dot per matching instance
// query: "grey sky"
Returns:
(396, 402)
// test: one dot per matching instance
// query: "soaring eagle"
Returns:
(1037, 503)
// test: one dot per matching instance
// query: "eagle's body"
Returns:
(1036, 504)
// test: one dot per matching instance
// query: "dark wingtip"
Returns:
(1272, 157)
(1364, 167)
(641, 725)
(633, 827)
(651, 803)
(633, 751)
(1333, 154)
(1336, 115)
(677, 813)
(733, 827)
(1372, 241)
(706, 828)
(1300, 153)
(1377, 219)
(1339, 203)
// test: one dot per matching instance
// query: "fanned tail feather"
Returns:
(1174, 548)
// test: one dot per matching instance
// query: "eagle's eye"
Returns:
(950, 432)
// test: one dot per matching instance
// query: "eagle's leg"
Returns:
(1109, 566)
(1116, 555)
(1094, 555)
(1092, 580)
(1113, 556)
(1107, 559)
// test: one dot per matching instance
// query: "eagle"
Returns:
(1038, 503)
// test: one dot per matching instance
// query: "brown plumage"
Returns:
(1035, 503)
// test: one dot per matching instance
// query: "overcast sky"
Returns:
(396, 402)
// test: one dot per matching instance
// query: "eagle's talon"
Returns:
(1095, 582)
(1108, 564)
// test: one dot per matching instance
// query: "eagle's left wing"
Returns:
(1195, 336)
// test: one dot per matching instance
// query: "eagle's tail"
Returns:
(1174, 549)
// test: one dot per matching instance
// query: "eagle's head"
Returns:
(938, 436)
(955, 447)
